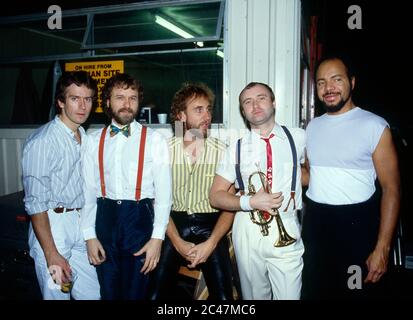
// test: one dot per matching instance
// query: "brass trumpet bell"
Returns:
(261, 218)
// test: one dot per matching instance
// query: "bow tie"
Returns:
(114, 130)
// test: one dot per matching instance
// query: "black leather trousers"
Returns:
(217, 269)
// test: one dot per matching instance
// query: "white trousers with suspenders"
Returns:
(268, 272)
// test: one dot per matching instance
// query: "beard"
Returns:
(336, 108)
(195, 130)
(125, 118)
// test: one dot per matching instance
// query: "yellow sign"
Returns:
(99, 70)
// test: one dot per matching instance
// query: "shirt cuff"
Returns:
(36, 208)
(89, 233)
(159, 232)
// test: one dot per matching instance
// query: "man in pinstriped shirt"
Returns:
(196, 231)
(53, 193)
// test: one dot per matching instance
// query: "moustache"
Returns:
(126, 109)
(330, 92)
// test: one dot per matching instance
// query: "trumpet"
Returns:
(263, 219)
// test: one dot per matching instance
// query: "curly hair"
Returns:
(119, 80)
(189, 90)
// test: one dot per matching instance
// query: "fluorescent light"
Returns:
(220, 54)
(170, 26)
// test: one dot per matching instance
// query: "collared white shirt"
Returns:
(253, 154)
(120, 162)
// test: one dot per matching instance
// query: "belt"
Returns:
(62, 209)
(195, 214)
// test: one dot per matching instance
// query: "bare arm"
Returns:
(54, 259)
(305, 172)
(221, 197)
(386, 165)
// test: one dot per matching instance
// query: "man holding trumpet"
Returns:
(264, 167)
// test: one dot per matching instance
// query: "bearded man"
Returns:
(196, 231)
(128, 194)
(347, 228)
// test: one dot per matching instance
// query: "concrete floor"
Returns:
(18, 280)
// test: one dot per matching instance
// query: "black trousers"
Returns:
(123, 227)
(337, 237)
(217, 270)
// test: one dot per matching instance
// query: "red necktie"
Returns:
(266, 215)
(269, 160)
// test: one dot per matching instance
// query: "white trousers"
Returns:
(267, 272)
(69, 242)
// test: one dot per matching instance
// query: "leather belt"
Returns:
(62, 209)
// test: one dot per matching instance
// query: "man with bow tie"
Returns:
(128, 194)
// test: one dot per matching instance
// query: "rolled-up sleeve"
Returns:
(162, 178)
(88, 215)
(226, 165)
(36, 165)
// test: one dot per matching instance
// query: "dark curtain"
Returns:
(26, 99)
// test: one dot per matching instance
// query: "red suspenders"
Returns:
(102, 176)
(140, 163)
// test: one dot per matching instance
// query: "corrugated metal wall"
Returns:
(11, 146)
(12, 142)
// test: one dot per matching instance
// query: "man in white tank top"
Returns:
(347, 232)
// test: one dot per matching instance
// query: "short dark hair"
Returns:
(187, 91)
(119, 80)
(253, 84)
(79, 78)
(345, 60)
(249, 86)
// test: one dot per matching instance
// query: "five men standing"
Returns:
(130, 178)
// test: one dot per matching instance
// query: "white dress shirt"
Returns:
(120, 163)
(253, 154)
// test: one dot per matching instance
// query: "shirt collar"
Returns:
(276, 130)
(66, 129)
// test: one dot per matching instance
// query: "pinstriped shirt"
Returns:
(51, 168)
(191, 182)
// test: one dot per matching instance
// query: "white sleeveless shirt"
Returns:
(339, 150)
